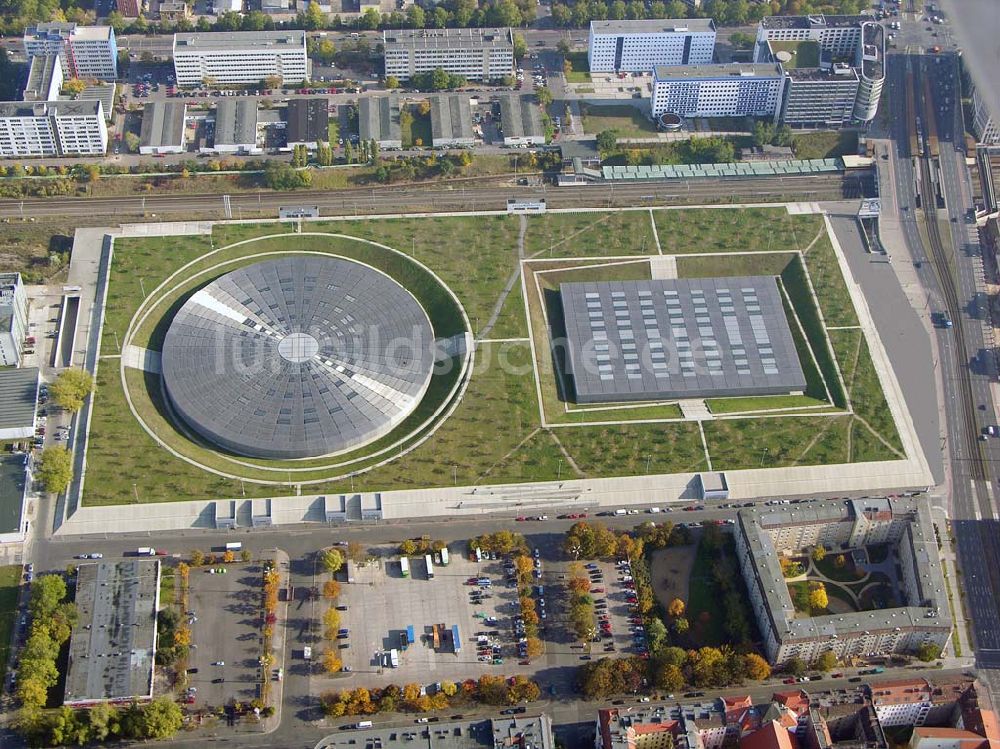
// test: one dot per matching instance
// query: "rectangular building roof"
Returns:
(76, 108)
(236, 122)
(451, 118)
(448, 38)
(113, 644)
(40, 74)
(660, 26)
(678, 338)
(815, 21)
(103, 92)
(378, 119)
(162, 124)
(308, 120)
(23, 109)
(229, 40)
(724, 70)
(521, 732)
(13, 480)
(18, 402)
(519, 117)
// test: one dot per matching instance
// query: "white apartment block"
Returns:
(240, 57)
(476, 54)
(982, 120)
(639, 46)
(731, 90)
(63, 128)
(86, 52)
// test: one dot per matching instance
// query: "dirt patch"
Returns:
(670, 571)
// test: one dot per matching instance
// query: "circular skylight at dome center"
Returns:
(297, 357)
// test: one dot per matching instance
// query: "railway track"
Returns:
(919, 90)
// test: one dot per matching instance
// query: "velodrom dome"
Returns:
(297, 357)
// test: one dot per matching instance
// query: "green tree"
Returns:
(928, 651)
(313, 18)
(47, 592)
(818, 554)
(795, 666)
(161, 719)
(331, 560)
(658, 635)
(391, 82)
(416, 18)
(520, 47)
(825, 662)
(562, 46)
(669, 677)
(282, 176)
(55, 469)
(102, 721)
(763, 133)
(71, 388)
(544, 96)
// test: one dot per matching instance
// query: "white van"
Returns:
(364, 724)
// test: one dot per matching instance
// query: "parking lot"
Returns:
(224, 611)
(481, 599)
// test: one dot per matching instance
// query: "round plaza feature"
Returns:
(297, 357)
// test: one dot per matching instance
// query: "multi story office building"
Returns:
(476, 54)
(240, 57)
(639, 46)
(26, 130)
(817, 97)
(57, 128)
(81, 128)
(921, 616)
(982, 120)
(731, 90)
(45, 78)
(816, 51)
(13, 322)
(84, 51)
(870, 64)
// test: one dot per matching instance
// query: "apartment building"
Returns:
(54, 128)
(921, 616)
(240, 57)
(13, 325)
(838, 35)
(729, 90)
(639, 46)
(476, 54)
(87, 52)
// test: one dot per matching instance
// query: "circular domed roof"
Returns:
(297, 357)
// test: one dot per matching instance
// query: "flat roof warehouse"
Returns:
(661, 339)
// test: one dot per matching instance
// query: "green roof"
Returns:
(805, 53)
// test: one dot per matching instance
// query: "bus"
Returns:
(404, 566)
(430, 566)
(444, 556)
(235, 546)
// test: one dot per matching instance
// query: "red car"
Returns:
(520, 518)
(597, 590)
(789, 681)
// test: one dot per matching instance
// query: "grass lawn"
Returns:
(825, 144)
(37, 250)
(835, 591)
(590, 234)
(846, 574)
(703, 606)
(581, 67)
(418, 131)
(629, 121)
(734, 230)
(10, 580)
(333, 131)
(763, 403)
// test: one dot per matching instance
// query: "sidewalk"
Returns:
(961, 649)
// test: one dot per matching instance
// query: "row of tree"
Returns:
(52, 620)
(488, 689)
(724, 12)
(159, 719)
(596, 541)
(501, 542)
(581, 603)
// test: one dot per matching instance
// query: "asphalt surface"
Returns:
(470, 196)
(971, 506)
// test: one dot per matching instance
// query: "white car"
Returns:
(219, 663)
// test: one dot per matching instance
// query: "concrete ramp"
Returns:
(145, 359)
(663, 267)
